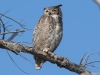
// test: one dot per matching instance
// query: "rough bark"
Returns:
(62, 62)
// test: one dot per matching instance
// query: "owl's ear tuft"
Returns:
(59, 5)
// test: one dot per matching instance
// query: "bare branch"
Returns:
(25, 58)
(24, 42)
(3, 26)
(91, 62)
(5, 13)
(12, 32)
(82, 59)
(93, 66)
(87, 57)
(16, 64)
(14, 21)
(62, 62)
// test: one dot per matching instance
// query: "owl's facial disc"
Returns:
(52, 10)
(49, 11)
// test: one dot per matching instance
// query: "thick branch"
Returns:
(62, 62)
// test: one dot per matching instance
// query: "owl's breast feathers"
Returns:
(48, 33)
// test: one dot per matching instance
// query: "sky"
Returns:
(81, 34)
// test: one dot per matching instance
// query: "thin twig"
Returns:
(93, 66)
(25, 58)
(16, 64)
(14, 21)
(87, 57)
(24, 42)
(22, 20)
(3, 25)
(89, 69)
(9, 39)
(12, 32)
(0, 27)
(82, 58)
(91, 62)
(3, 37)
(12, 36)
(5, 13)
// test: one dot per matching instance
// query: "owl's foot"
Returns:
(46, 50)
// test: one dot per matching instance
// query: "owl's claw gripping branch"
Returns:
(46, 50)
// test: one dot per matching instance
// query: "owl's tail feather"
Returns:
(38, 62)
(38, 66)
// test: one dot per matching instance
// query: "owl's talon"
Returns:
(46, 50)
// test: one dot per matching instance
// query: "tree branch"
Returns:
(14, 21)
(62, 62)
(17, 31)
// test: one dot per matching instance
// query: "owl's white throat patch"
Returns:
(55, 16)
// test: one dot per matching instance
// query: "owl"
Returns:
(48, 32)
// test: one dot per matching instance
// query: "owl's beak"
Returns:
(49, 13)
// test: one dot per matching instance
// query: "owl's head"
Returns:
(53, 10)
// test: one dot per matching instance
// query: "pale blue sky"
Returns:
(81, 28)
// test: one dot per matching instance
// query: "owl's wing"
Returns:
(39, 29)
(44, 31)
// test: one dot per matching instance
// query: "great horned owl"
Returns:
(48, 32)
